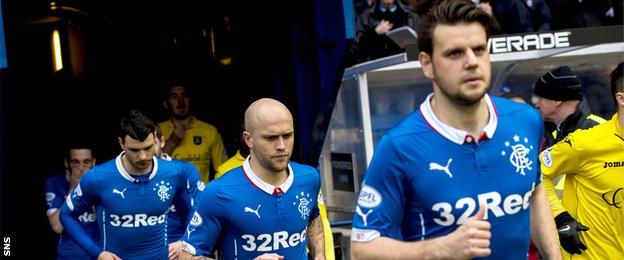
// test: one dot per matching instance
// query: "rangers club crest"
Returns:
(162, 190)
(518, 157)
(304, 202)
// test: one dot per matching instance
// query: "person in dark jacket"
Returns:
(521, 16)
(371, 41)
(559, 98)
(568, 14)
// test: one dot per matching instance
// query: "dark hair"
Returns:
(617, 74)
(450, 12)
(77, 145)
(167, 85)
(136, 125)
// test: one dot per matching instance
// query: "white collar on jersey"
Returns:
(266, 187)
(166, 157)
(455, 135)
(126, 175)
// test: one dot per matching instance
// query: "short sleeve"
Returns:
(382, 196)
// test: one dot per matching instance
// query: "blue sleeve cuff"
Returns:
(73, 227)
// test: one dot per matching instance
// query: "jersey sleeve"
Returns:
(314, 212)
(382, 196)
(194, 185)
(561, 158)
(204, 228)
(54, 196)
(81, 199)
(183, 199)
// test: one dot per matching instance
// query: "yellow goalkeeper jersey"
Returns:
(593, 160)
(202, 146)
(235, 161)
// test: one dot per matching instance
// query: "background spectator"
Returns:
(568, 14)
(559, 98)
(520, 16)
(79, 159)
(385, 15)
(188, 138)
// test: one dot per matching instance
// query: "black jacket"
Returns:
(368, 44)
(582, 118)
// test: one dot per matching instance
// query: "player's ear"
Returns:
(247, 139)
(121, 143)
(620, 98)
(162, 142)
(92, 163)
(66, 163)
(165, 104)
(425, 63)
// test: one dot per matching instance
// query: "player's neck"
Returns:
(564, 111)
(187, 120)
(274, 178)
(471, 118)
(130, 169)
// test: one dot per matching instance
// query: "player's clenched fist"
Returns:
(105, 255)
(471, 239)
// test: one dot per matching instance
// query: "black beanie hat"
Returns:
(559, 84)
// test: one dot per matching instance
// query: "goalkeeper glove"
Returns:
(569, 230)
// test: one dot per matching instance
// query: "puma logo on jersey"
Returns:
(361, 214)
(121, 193)
(189, 230)
(438, 167)
(248, 209)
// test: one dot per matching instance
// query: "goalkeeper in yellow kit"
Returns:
(590, 215)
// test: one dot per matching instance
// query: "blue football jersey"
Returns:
(194, 186)
(240, 216)
(56, 188)
(427, 178)
(131, 213)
